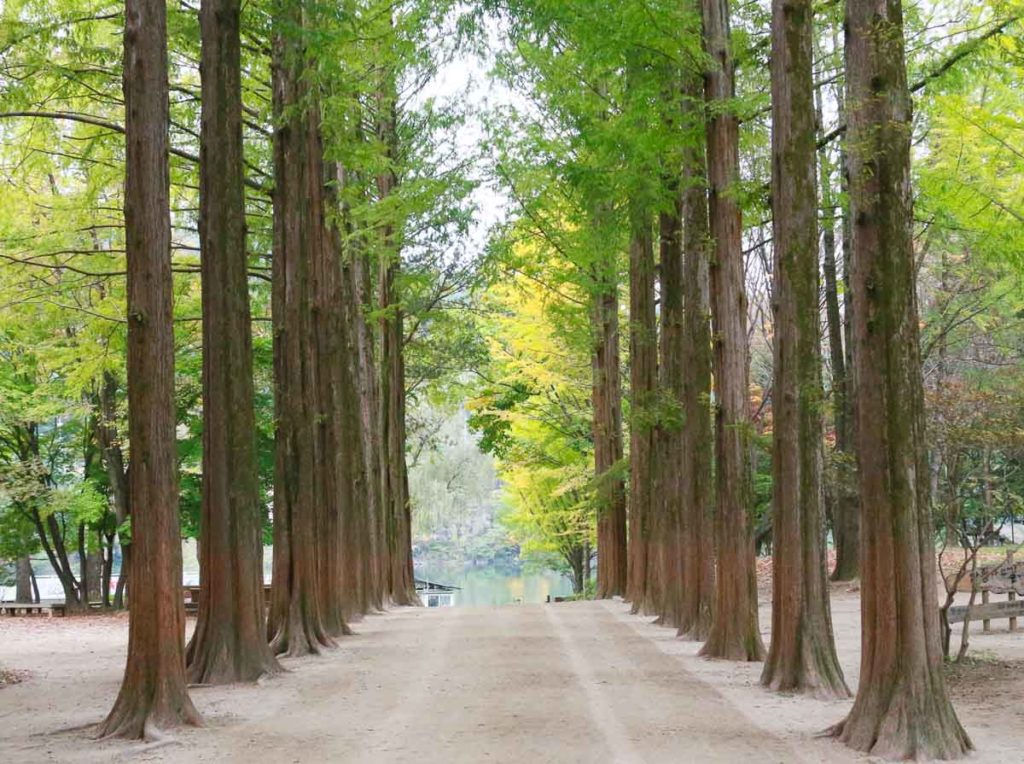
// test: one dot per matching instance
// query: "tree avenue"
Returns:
(691, 302)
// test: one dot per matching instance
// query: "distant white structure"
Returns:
(433, 594)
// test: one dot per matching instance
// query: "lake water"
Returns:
(479, 587)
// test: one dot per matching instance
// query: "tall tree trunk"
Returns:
(368, 408)
(154, 693)
(357, 540)
(734, 630)
(902, 710)
(335, 500)
(672, 372)
(394, 474)
(395, 489)
(802, 657)
(295, 623)
(643, 369)
(698, 489)
(229, 644)
(23, 580)
(606, 399)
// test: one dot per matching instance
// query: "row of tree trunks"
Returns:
(902, 709)
(606, 399)
(332, 557)
(802, 656)
(229, 643)
(734, 629)
(154, 691)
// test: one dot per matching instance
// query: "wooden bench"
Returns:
(986, 611)
(33, 608)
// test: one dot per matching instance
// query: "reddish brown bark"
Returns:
(295, 624)
(334, 499)
(154, 694)
(667, 539)
(902, 709)
(376, 563)
(734, 630)
(401, 588)
(697, 522)
(394, 477)
(606, 399)
(229, 643)
(356, 537)
(802, 656)
(357, 541)
(643, 370)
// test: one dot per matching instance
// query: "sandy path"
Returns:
(564, 683)
(579, 682)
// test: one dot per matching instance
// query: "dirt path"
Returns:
(564, 683)
(580, 682)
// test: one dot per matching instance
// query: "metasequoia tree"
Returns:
(394, 476)
(401, 588)
(229, 644)
(358, 541)
(802, 656)
(902, 710)
(375, 566)
(295, 623)
(643, 370)
(335, 497)
(363, 543)
(734, 630)
(606, 400)
(698, 579)
(154, 694)
(666, 543)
